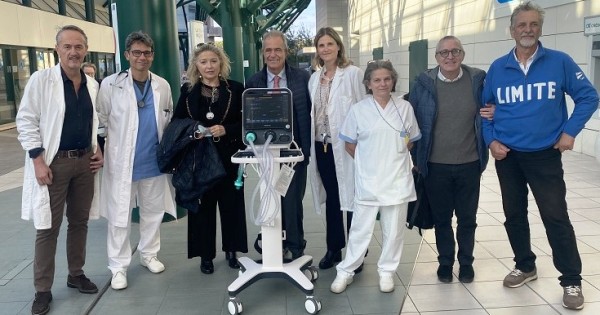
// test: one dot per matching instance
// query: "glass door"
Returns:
(7, 97)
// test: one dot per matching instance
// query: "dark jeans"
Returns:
(73, 184)
(454, 189)
(334, 217)
(543, 171)
(293, 212)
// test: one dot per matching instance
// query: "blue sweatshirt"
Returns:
(531, 110)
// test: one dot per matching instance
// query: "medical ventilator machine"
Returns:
(267, 130)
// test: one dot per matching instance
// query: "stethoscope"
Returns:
(119, 84)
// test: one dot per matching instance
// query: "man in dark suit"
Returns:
(278, 74)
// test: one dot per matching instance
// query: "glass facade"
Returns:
(15, 69)
(14, 63)
(106, 65)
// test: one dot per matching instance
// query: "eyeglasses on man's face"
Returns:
(445, 53)
(137, 53)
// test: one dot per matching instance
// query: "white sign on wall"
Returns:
(591, 25)
(195, 35)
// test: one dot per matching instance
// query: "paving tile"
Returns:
(493, 295)
(447, 297)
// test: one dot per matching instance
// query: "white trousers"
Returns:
(392, 220)
(148, 195)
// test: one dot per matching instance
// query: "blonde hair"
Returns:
(342, 60)
(193, 73)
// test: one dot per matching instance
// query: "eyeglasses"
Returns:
(445, 53)
(137, 53)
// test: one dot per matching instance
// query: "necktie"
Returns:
(276, 82)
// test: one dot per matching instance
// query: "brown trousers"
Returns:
(73, 184)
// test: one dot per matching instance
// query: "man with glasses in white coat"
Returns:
(135, 105)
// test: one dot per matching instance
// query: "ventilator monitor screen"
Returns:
(268, 112)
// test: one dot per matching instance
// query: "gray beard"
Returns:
(527, 43)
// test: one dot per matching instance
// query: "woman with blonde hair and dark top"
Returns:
(216, 102)
(333, 89)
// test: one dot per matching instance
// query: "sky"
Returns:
(308, 18)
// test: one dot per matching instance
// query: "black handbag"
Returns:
(419, 212)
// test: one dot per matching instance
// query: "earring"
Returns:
(219, 75)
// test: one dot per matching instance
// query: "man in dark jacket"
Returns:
(278, 74)
(451, 154)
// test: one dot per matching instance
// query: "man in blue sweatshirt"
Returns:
(530, 130)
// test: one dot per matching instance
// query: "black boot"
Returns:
(231, 258)
(206, 266)
(330, 258)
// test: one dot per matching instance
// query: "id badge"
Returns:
(406, 136)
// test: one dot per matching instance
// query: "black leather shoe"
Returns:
(444, 273)
(232, 261)
(207, 267)
(330, 258)
(297, 252)
(466, 274)
(82, 283)
(41, 303)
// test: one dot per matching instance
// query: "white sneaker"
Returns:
(386, 283)
(340, 283)
(152, 263)
(119, 280)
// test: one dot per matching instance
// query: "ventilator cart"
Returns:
(268, 133)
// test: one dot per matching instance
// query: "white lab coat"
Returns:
(118, 111)
(347, 89)
(39, 122)
(382, 161)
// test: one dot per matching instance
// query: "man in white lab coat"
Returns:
(57, 126)
(135, 105)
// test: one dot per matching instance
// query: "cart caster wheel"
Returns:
(234, 306)
(312, 305)
(312, 273)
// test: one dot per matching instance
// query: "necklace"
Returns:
(187, 103)
(142, 102)
(210, 114)
(212, 94)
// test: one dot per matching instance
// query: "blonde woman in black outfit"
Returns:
(215, 101)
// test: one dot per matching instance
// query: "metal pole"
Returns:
(90, 11)
(62, 7)
(232, 30)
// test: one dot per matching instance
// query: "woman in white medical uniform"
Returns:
(379, 132)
